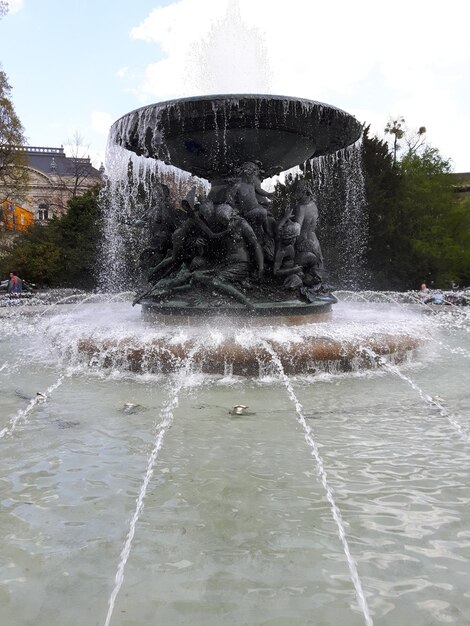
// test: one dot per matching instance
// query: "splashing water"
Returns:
(231, 58)
(456, 350)
(329, 492)
(60, 301)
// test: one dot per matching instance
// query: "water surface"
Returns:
(236, 528)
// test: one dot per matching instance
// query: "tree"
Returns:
(414, 139)
(418, 230)
(456, 252)
(427, 201)
(13, 176)
(71, 175)
(63, 254)
(78, 233)
(80, 165)
(395, 128)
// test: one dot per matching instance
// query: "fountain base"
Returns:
(287, 312)
(241, 356)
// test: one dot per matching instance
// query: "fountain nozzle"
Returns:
(238, 409)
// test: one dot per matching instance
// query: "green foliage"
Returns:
(13, 176)
(63, 253)
(425, 199)
(418, 230)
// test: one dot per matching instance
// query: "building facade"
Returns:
(15, 217)
(461, 184)
(54, 178)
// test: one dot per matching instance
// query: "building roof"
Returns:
(55, 161)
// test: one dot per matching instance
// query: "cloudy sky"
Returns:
(75, 66)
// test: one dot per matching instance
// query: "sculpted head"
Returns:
(289, 231)
(302, 188)
(224, 214)
(248, 171)
(206, 211)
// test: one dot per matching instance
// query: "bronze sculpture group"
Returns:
(235, 250)
(229, 248)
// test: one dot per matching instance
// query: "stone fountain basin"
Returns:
(311, 356)
(211, 135)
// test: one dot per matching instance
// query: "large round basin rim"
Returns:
(228, 97)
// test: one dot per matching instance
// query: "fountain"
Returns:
(225, 257)
(238, 259)
(226, 457)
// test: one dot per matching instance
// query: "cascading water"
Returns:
(339, 189)
(130, 198)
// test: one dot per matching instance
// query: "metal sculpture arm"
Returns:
(253, 245)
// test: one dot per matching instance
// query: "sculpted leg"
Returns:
(222, 287)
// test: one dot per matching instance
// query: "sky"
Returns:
(76, 66)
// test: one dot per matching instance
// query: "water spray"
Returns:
(434, 402)
(336, 513)
(38, 399)
(166, 422)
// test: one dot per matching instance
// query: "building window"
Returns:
(43, 213)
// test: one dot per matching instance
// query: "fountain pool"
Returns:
(133, 497)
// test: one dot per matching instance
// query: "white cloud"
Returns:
(101, 122)
(122, 72)
(15, 5)
(411, 59)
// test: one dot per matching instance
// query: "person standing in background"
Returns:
(15, 285)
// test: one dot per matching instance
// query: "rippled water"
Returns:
(236, 527)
